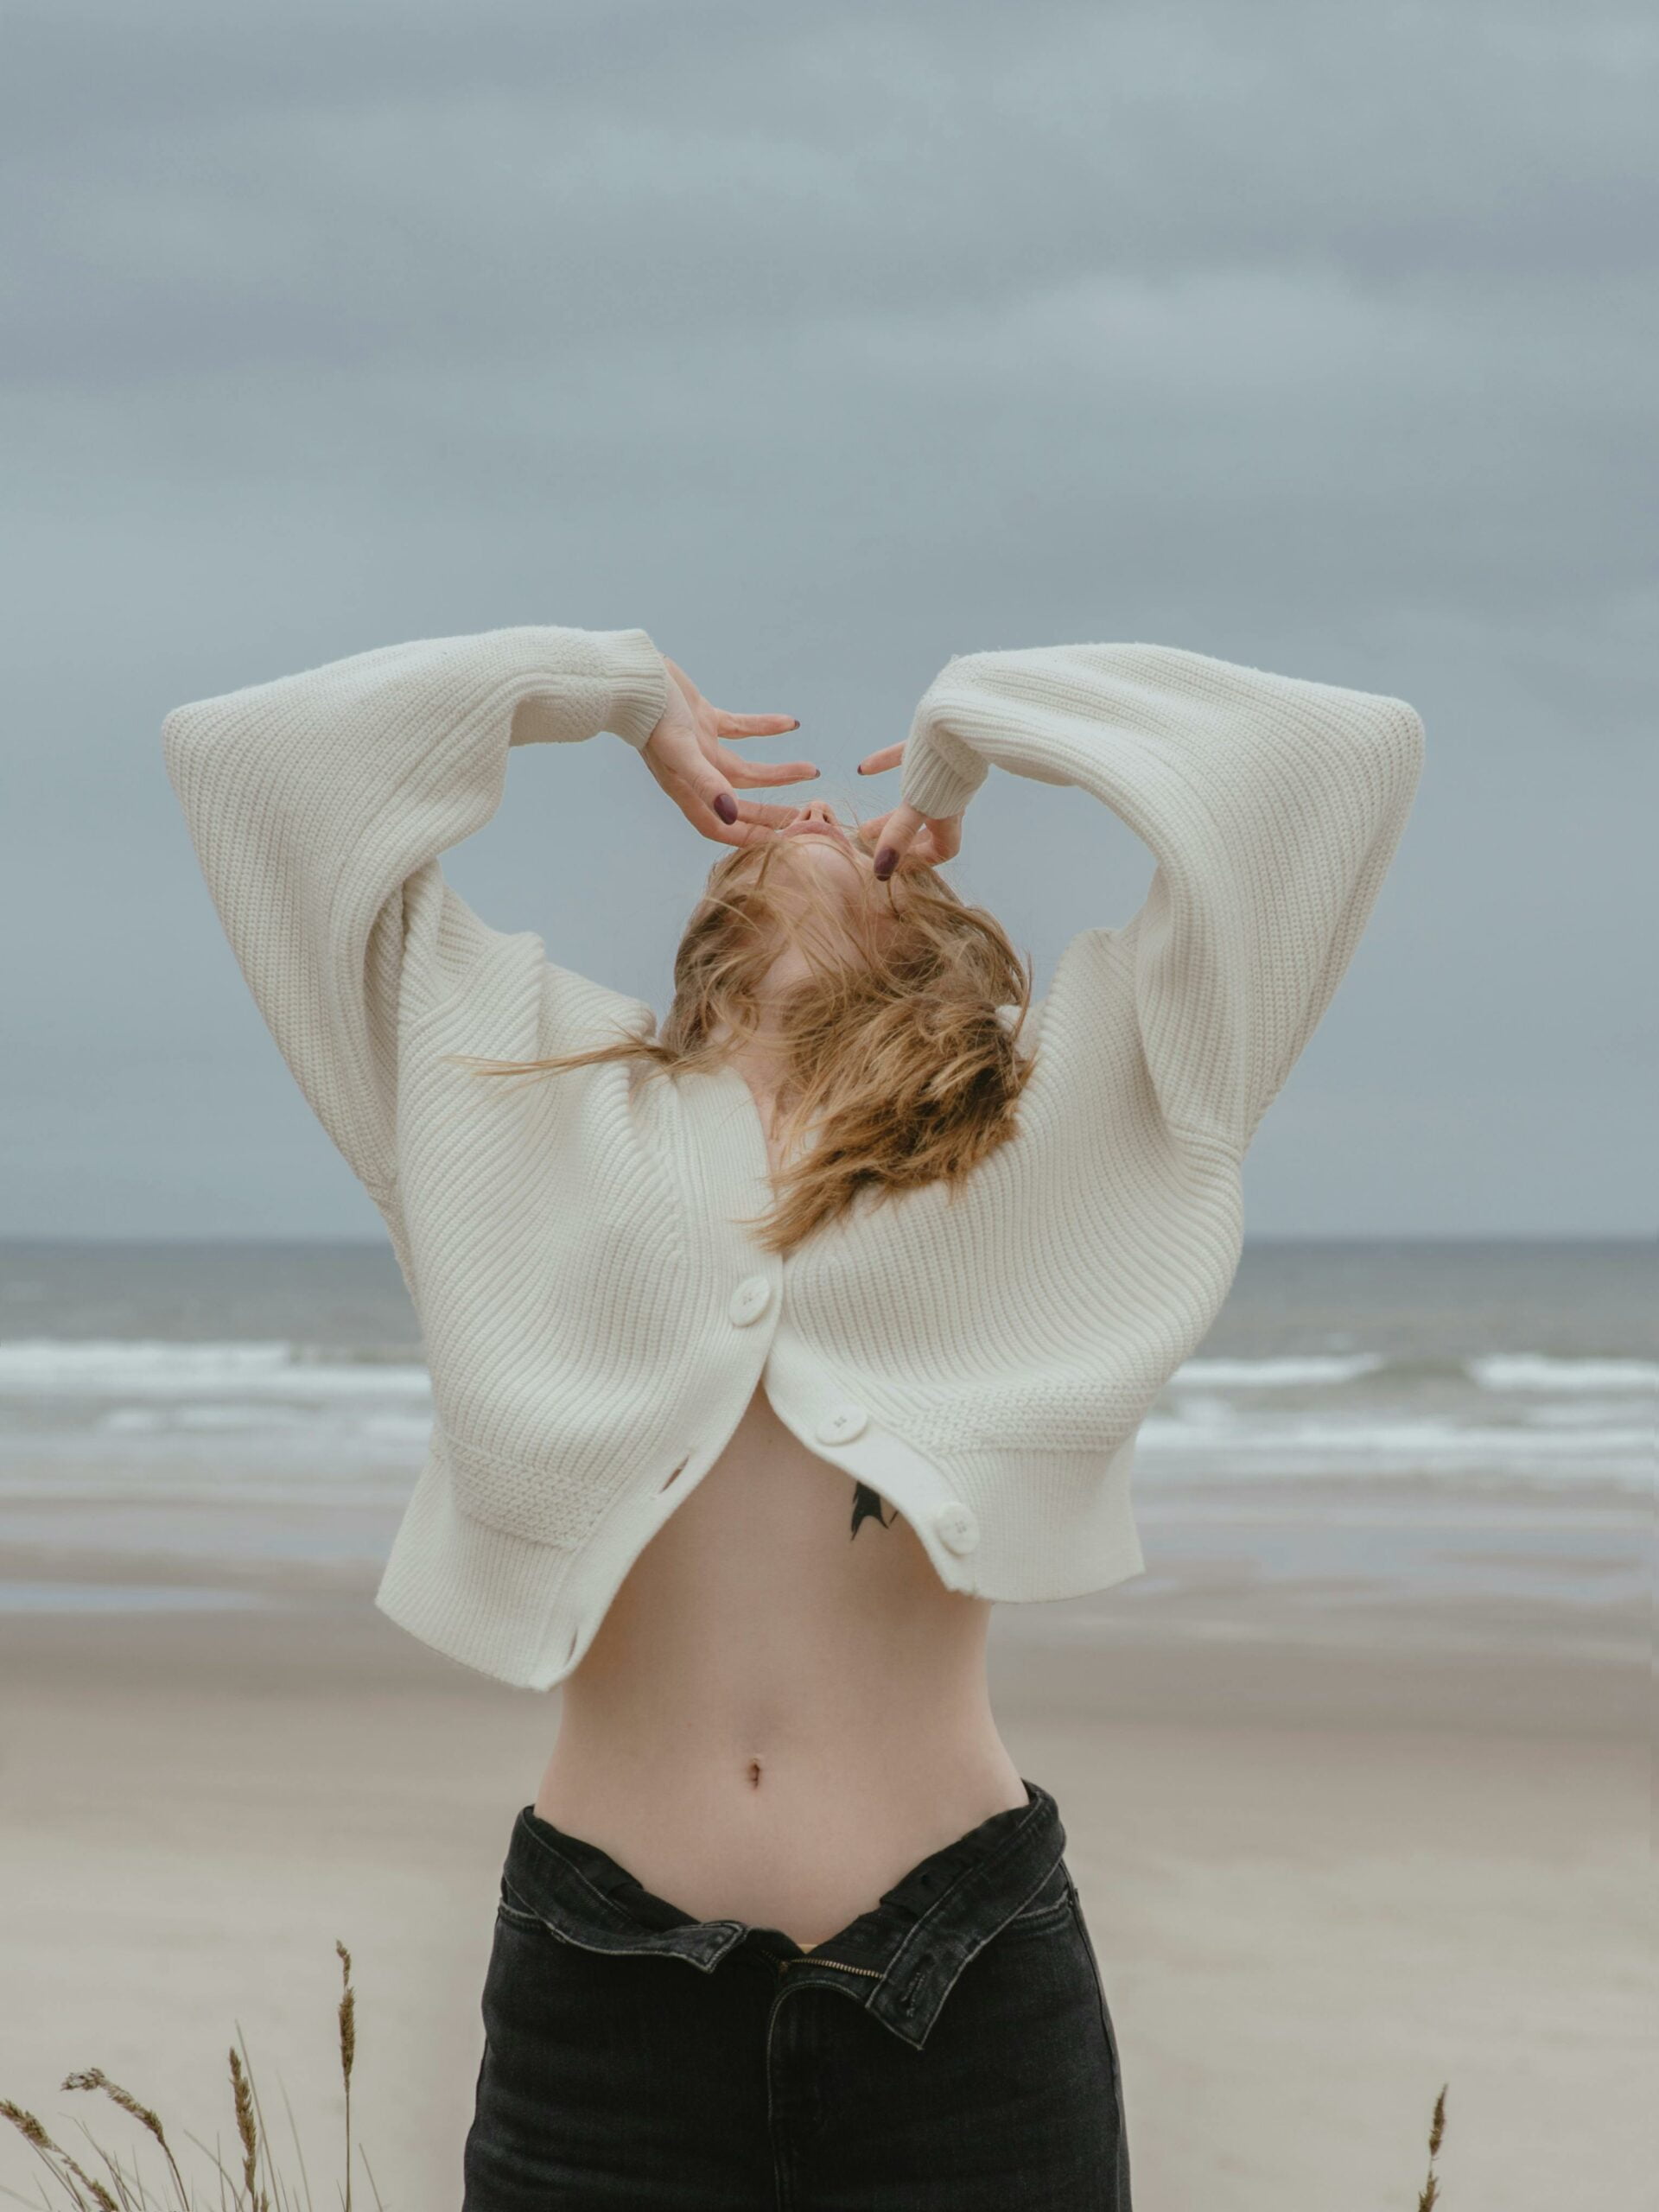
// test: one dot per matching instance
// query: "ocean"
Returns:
(1452, 1419)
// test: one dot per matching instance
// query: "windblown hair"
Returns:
(897, 1068)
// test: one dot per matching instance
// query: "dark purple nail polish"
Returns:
(725, 806)
(885, 861)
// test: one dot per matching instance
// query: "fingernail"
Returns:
(725, 806)
(886, 861)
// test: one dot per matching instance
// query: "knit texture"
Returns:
(594, 1315)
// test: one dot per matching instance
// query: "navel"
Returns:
(755, 1774)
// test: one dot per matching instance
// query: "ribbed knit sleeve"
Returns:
(1273, 807)
(319, 803)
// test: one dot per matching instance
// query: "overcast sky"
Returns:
(823, 344)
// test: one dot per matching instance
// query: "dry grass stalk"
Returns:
(83, 2190)
(27, 2126)
(124, 2198)
(1429, 2196)
(347, 2050)
(263, 2132)
(247, 2129)
(94, 2188)
(94, 2077)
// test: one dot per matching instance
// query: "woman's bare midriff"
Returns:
(778, 1717)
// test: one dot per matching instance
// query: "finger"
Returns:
(756, 810)
(871, 832)
(740, 833)
(898, 835)
(922, 852)
(700, 789)
(870, 826)
(935, 841)
(754, 725)
(753, 821)
(695, 783)
(872, 764)
(738, 771)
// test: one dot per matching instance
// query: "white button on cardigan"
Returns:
(842, 1424)
(750, 1300)
(956, 1525)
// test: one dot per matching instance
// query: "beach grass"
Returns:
(255, 2180)
(1429, 2196)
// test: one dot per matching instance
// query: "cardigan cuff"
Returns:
(639, 684)
(941, 773)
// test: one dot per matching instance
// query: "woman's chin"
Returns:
(812, 871)
(827, 861)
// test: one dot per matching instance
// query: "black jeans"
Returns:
(950, 2051)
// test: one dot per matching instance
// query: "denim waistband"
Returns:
(900, 1960)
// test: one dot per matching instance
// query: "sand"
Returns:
(1333, 1855)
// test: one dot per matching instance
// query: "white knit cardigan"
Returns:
(594, 1316)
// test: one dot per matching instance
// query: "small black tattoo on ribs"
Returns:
(867, 1506)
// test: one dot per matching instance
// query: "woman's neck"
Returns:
(761, 1055)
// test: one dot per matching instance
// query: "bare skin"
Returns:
(784, 1708)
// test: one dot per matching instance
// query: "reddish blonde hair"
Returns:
(898, 1067)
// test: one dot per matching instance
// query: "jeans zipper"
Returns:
(808, 1958)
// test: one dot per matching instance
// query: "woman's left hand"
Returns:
(923, 839)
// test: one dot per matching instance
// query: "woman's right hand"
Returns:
(685, 754)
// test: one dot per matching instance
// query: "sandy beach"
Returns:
(1334, 1851)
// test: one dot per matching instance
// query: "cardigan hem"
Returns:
(492, 1600)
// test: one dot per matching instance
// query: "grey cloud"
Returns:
(826, 343)
(348, 184)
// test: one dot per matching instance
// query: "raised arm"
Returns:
(1273, 807)
(317, 805)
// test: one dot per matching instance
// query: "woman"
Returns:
(769, 1350)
